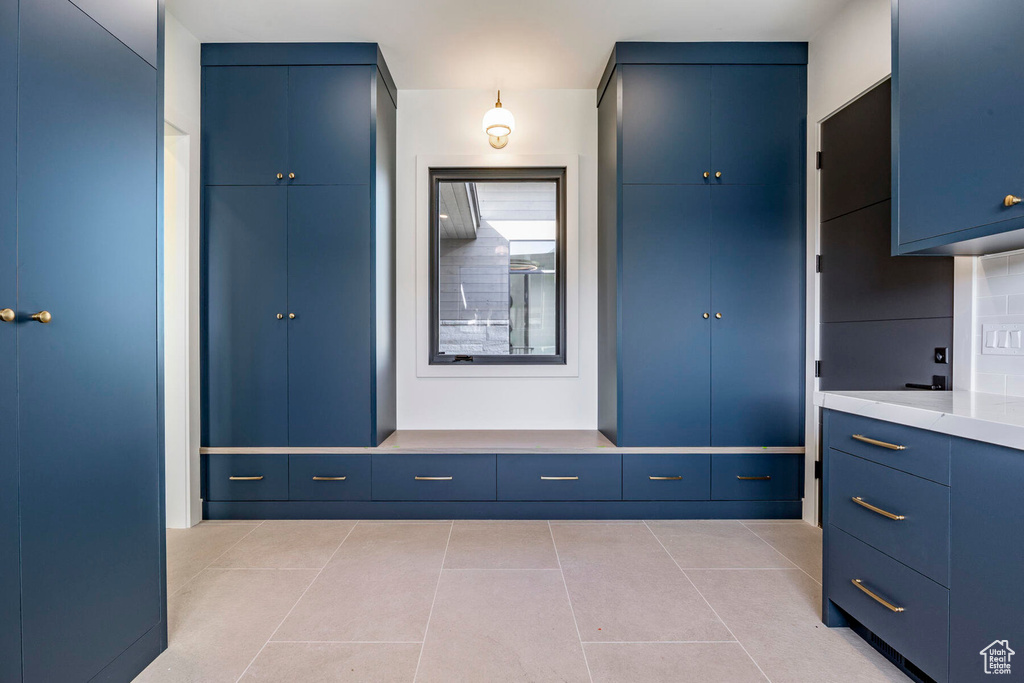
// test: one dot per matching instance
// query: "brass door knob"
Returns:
(291, 176)
(42, 317)
(718, 315)
(291, 316)
(707, 315)
(7, 315)
(1012, 200)
(280, 316)
(707, 174)
(280, 176)
(718, 174)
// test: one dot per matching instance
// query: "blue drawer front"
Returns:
(560, 476)
(433, 477)
(329, 477)
(757, 476)
(920, 632)
(674, 476)
(925, 454)
(247, 477)
(920, 540)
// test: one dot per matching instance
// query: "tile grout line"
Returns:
(713, 610)
(352, 642)
(572, 610)
(783, 554)
(211, 563)
(660, 642)
(437, 588)
(296, 603)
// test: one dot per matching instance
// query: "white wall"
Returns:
(998, 298)
(847, 56)
(436, 123)
(181, 275)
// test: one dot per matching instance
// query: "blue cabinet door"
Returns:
(330, 293)
(330, 124)
(665, 372)
(245, 125)
(10, 557)
(758, 124)
(133, 22)
(88, 429)
(666, 128)
(757, 349)
(245, 387)
(957, 146)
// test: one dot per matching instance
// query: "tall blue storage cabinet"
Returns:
(298, 244)
(702, 244)
(82, 584)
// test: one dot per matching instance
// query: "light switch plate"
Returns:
(1002, 340)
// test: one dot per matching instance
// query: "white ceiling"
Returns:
(512, 44)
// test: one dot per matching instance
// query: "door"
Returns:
(666, 133)
(757, 349)
(330, 124)
(10, 560)
(245, 125)
(330, 340)
(245, 368)
(665, 290)
(758, 124)
(89, 430)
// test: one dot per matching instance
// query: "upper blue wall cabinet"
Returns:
(82, 578)
(957, 147)
(701, 244)
(298, 234)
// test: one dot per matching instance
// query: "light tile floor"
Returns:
(622, 602)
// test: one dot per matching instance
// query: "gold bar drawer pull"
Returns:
(664, 478)
(761, 478)
(433, 478)
(860, 501)
(559, 478)
(876, 442)
(874, 596)
(259, 478)
(329, 478)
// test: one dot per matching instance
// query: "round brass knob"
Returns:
(280, 316)
(42, 317)
(707, 174)
(707, 315)
(718, 174)
(7, 315)
(291, 176)
(280, 176)
(291, 316)
(1012, 200)
(718, 315)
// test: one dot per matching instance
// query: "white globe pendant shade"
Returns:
(499, 122)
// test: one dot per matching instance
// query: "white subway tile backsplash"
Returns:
(993, 266)
(1015, 263)
(990, 305)
(1015, 385)
(998, 299)
(988, 383)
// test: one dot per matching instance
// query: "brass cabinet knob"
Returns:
(291, 316)
(718, 315)
(707, 315)
(7, 315)
(280, 176)
(291, 176)
(718, 174)
(707, 174)
(42, 317)
(1012, 200)
(280, 316)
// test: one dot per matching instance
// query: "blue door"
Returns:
(757, 345)
(88, 430)
(245, 371)
(330, 293)
(330, 124)
(666, 292)
(758, 124)
(10, 559)
(666, 127)
(245, 125)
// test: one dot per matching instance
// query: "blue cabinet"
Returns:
(757, 476)
(956, 141)
(666, 476)
(246, 477)
(701, 244)
(297, 326)
(426, 477)
(564, 476)
(82, 589)
(328, 477)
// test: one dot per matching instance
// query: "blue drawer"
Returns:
(673, 476)
(916, 451)
(246, 477)
(329, 477)
(433, 477)
(920, 540)
(920, 632)
(560, 476)
(757, 476)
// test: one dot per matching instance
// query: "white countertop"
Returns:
(990, 418)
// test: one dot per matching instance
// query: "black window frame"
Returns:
(520, 174)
